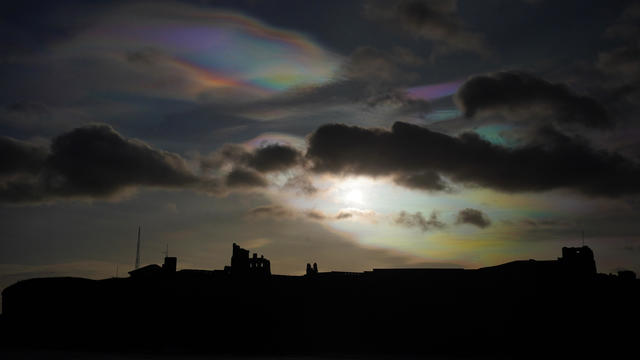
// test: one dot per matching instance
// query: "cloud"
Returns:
(473, 217)
(516, 91)
(20, 156)
(437, 21)
(419, 221)
(344, 215)
(315, 214)
(302, 184)
(540, 223)
(282, 212)
(274, 211)
(425, 180)
(626, 26)
(376, 66)
(369, 77)
(621, 63)
(245, 178)
(95, 161)
(348, 213)
(273, 157)
(552, 161)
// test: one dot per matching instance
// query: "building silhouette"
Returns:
(243, 265)
(543, 306)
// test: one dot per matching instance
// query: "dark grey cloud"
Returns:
(97, 162)
(435, 20)
(376, 66)
(315, 215)
(344, 215)
(555, 161)
(473, 217)
(20, 156)
(620, 64)
(518, 91)
(274, 211)
(302, 184)
(425, 180)
(418, 220)
(245, 178)
(273, 157)
(282, 212)
(539, 223)
(355, 212)
(622, 61)
(626, 26)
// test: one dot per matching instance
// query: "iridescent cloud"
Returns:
(218, 49)
(434, 91)
(272, 138)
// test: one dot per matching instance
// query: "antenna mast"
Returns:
(166, 252)
(582, 238)
(138, 250)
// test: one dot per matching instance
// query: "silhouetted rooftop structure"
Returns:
(242, 265)
(170, 264)
(145, 271)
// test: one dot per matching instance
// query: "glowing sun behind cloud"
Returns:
(354, 196)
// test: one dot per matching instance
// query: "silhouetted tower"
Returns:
(239, 260)
(312, 270)
(138, 250)
(170, 264)
(578, 261)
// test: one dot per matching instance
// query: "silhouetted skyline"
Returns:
(244, 309)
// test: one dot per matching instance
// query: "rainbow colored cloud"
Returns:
(214, 48)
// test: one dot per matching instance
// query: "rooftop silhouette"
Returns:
(244, 308)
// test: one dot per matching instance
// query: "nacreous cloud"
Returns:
(551, 161)
(509, 91)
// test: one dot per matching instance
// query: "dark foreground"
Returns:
(526, 309)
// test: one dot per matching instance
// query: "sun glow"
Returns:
(354, 197)
(353, 191)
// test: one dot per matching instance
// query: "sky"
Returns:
(354, 134)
